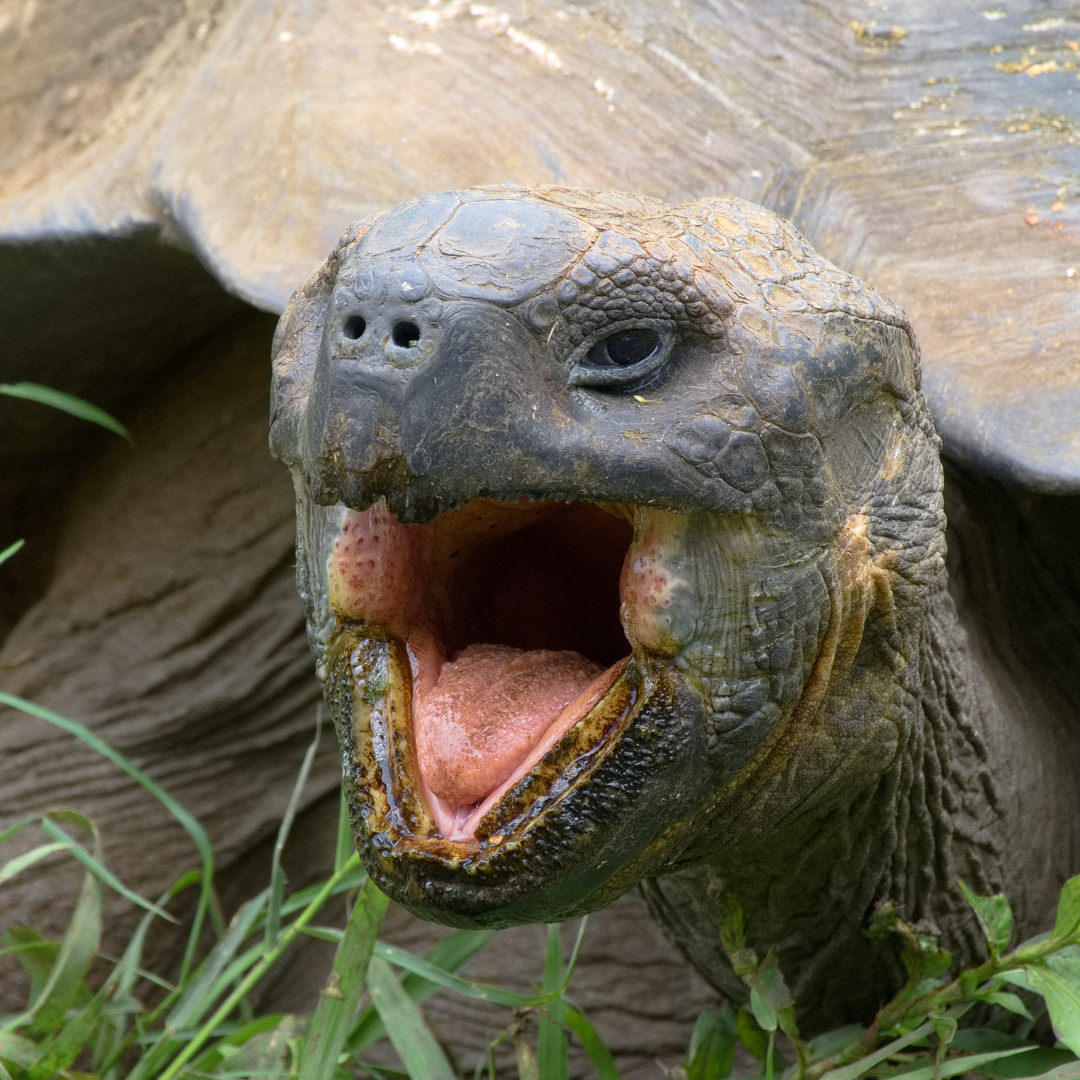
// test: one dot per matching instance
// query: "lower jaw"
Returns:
(615, 800)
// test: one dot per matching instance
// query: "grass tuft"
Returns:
(204, 1024)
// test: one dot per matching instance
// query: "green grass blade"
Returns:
(712, 1046)
(344, 882)
(64, 984)
(957, 1065)
(479, 991)
(30, 947)
(600, 1056)
(212, 979)
(345, 845)
(551, 1048)
(206, 1032)
(1038, 1061)
(127, 970)
(449, 955)
(60, 1051)
(187, 820)
(124, 976)
(297, 901)
(238, 967)
(16, 1049)
(865, 1064)
(410, 1036)
(1071, 1071)
(35, 955)
(10, 550)
(277, 875)
(832, 1042)
(255, 1049)
(575, 952)
(17, 827)
(14, 867)
(99, 870)
(57, 399)
(73, 960)
(199, 995)
(340, 997)
(324, 933)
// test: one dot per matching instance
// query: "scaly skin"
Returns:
(800, 723)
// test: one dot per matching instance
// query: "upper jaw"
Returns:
(487, 412)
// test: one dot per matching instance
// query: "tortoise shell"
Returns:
(931, 151)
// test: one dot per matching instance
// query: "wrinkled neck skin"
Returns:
(904, 786)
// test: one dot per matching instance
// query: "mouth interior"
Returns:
(550, 581)
(519, 639)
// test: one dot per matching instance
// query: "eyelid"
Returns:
(583, 374)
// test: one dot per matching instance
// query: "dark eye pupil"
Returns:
(624, 348)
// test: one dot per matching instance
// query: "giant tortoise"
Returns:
(171, 175)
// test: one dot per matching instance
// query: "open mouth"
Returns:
(510, 617)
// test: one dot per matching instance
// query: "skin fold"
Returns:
(799, 721)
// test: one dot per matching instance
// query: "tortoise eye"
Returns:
(623, 349)
(624, 357)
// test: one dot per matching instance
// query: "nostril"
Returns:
(354, 327)
(406, 334)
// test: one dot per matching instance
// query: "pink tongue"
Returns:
(489, 708)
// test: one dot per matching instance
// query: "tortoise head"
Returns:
(617, 525)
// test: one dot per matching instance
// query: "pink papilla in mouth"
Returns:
(500, 606)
